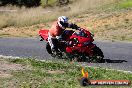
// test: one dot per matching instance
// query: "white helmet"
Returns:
(62, 20)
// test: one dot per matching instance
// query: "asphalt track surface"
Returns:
(118, 55)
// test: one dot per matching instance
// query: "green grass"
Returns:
(125, 4)
(56, 74)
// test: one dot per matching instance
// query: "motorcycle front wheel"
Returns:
(97, 55)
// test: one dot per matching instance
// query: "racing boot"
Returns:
(57, 53)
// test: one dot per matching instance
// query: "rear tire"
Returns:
(48, 48)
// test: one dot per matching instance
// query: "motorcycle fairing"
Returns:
(44, 34)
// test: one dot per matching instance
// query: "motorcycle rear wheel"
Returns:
(53, 54)
(48, 48)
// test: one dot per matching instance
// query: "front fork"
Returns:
(90, 50)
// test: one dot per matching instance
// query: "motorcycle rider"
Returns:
(56, 30)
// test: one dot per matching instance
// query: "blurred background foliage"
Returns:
(33, 3)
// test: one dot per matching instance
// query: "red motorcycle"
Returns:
(78, 45)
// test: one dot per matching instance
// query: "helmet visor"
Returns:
(64, 24)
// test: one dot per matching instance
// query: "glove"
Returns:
(73, 26)
(79, 29)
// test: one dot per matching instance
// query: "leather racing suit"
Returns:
(55, 33)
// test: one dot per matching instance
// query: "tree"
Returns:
(27, 3)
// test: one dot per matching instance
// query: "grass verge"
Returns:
(125, 4)
(53, 74)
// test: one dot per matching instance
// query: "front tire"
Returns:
(97, 55)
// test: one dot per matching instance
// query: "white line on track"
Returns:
(2, 56)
